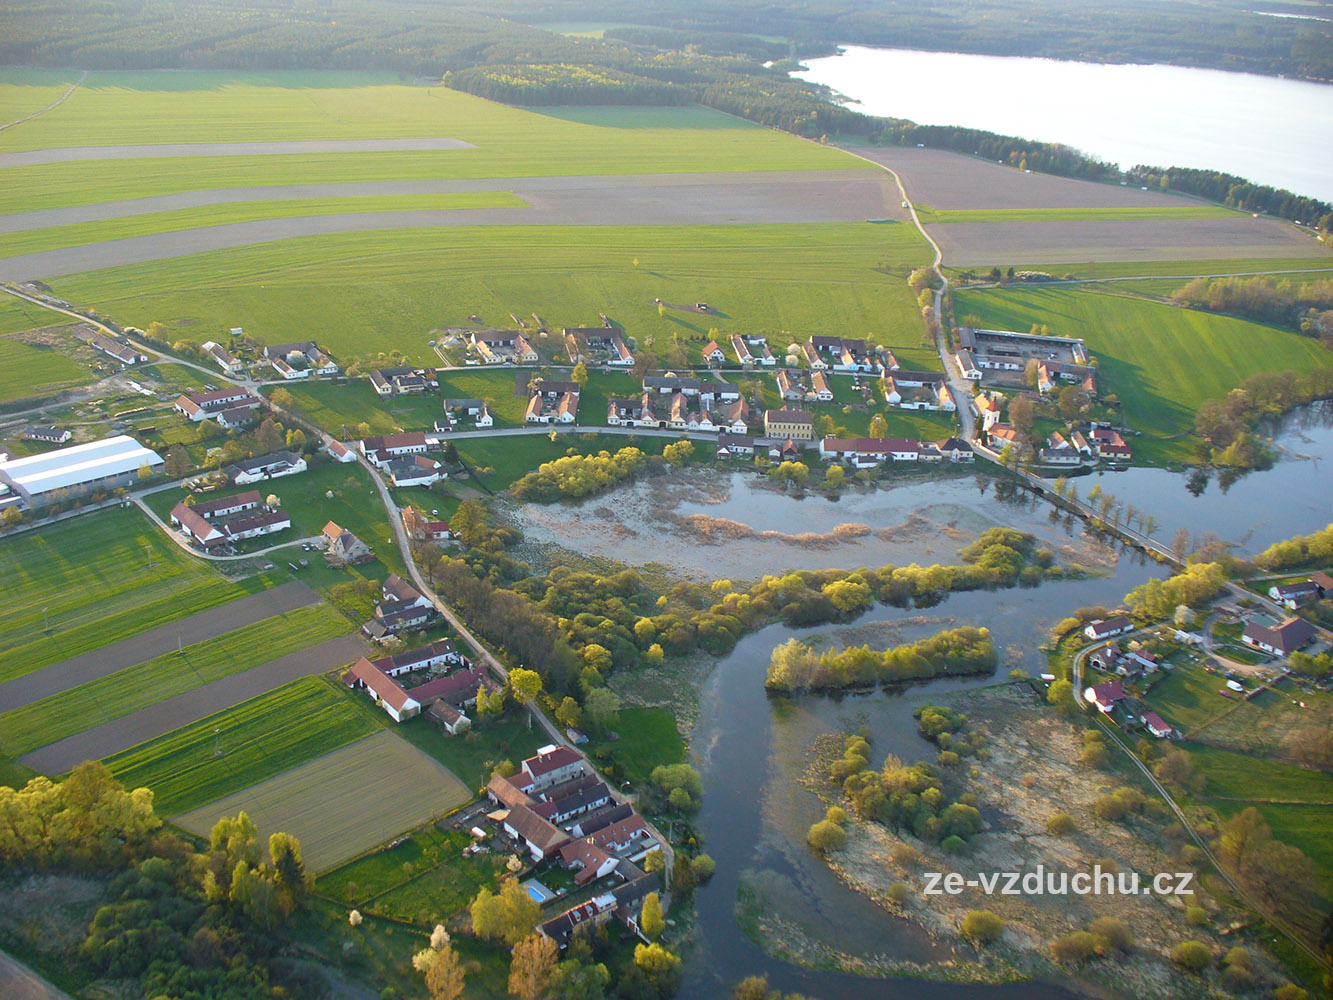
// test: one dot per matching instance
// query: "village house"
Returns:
(200, 406)
(415, 470)
(275, 466)
(791, 386)
(47, 434)
(734, 416)
(1108, 628)
(300, 360)
(967, 366)
(343, 548)
(119, 350)
(956, 450)
(713, 353)
(340, 453)
(1105, 696)
(1109, 444)
(742, 349)
(1295, 595)
(734, 445)
(1285, 639)
(221, 507)
(211, 523)
(403, 381)
(237, 417)
(1155, 725)
(382, 449)
(988, 409)
(224, 359)
(822, 390)
(789, 424)
(421, 528)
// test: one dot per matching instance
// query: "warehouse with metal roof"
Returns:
(99, 465)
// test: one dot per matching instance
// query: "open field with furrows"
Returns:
(94, 580)
(382, 290)
(245, 745)
(221, 107)
(939, 216)
(1162, 361)
(129, 690)
(35, 240)
(344, 802)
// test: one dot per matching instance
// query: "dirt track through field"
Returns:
(667, 199)
(35, 157)
(206, 625)
(345, 802)
(18, 982)
(157, 720)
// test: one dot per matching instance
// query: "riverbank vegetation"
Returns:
(574, 476)
(795, 667)
(1227, 427)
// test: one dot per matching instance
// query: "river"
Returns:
(1129, 114)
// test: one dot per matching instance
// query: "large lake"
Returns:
(1267, 129)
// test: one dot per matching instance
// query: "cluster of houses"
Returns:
(222, 521)
(597, 343)
(552, 402)
(116, 349)
(1076, 447)
(459, 411)
(445, 697)
(750, 349)
(494, 347)
(555, 806)
(909, 390)
(402, 457)
(685, 403)
(868, 453)
(1318, 587)
(1110, 698)
(421, 528)
(401, 608)
(842, 355)
(299, 360)
(232, 407)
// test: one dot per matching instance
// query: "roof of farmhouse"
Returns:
(82, 463)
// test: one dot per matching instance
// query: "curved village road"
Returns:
(712, 199)
(164, 639)
(158, 720)
(36, 157)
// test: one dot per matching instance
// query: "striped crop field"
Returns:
(244, 745)
(345, 802)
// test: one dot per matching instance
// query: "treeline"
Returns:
(1307, 307)
(564, 84)
(176, 921)
(1227, 425)
(794, 666)
(1298, 551)
(1237, 192)
(1024, 154)
(1192, 587)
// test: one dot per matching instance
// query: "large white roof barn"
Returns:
(105, 464)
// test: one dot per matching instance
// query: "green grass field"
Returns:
(1187, 697)
(344, 802)
(1162, 361)
(1320, 257)
(115, 695)
(223, 107)
(27, 370)
(390, 289)
(934, 216)
(648, 737)
(24, 91)
(35, 240)
(87, 582)
(473, 755)
(258, 739)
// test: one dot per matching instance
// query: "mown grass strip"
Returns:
(249, 743)
(115, 695)
(227, 213)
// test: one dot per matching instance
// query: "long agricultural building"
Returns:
(99, 465)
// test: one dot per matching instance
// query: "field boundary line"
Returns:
(410, 879)
(50, 107)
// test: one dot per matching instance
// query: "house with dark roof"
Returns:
(380, 450)
(47, 433)
(1283, 640)
(344, 548)
(198, 406)
(789, 424)
(1295, 595)
(1106, 696)
(551, 765)
(226, 506)
(275, 466)
(541, 837)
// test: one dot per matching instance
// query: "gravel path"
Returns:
(18, 982)
(157, 720)
(34, 157)
(672, 199)
(206, 625)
